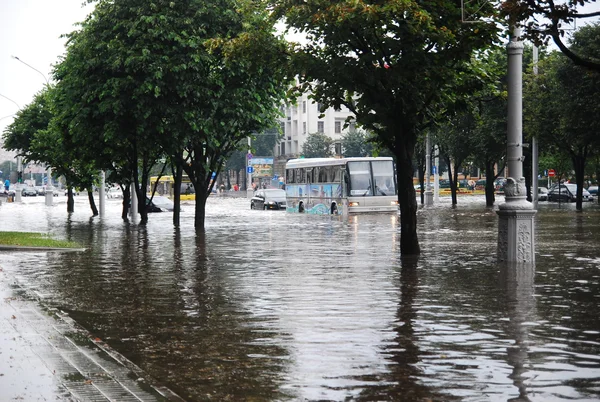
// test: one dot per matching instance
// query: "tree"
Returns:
(390, 63)
(33, 135)
(562, 103)
(317, 145)
(356, 143)
(545, 19)
(455, 139)
(188, 80)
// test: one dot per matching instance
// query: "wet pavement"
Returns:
(267, 305)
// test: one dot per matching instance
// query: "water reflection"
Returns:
(275, 306)
(518, 283)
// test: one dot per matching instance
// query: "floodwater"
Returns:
(271, 306)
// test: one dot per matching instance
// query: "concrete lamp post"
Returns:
(516, 237)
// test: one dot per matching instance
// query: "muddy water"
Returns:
(273, 306)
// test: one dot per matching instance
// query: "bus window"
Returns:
(300, 175)
(337, 174)
(360, 178)
(309, 176)
(289, 176)
(384, 179)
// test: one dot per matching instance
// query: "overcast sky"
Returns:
(31, 30)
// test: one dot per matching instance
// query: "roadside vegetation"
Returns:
(31, 239)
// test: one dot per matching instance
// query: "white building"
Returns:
(302, 119)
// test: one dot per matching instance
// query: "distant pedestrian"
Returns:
(6, 184)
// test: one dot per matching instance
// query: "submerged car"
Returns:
(114, 192)
(159, 203)
(271, 198)
(542, 194)
(567, 192)
(29, 192)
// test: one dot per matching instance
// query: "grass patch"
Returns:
(30, 239)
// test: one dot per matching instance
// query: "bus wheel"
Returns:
(333, 210)
(251, 205)
(301, 207)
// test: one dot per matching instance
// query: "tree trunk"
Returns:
(200, 211)
(126, 202)
(579, 165)
(177, 194)
(409, 242)
(70, 200)
(490, 198)
(452, 176)
(92, 202)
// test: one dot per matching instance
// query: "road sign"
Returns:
(249, 155)
(551, 173)
(250, 169)
(434, 169)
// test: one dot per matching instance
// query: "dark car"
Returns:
(567, 192)
(29, 192)
(271, 198)
(159, 203)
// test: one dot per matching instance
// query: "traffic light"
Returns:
(19, 177)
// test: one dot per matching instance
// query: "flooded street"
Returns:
(272, 306)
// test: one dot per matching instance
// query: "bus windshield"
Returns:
(361, 181)
(383, 173)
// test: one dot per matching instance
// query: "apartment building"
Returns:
(303, 118)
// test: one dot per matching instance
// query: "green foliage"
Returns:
(185, 80)
(545, 19)
(356, 143)
(562, 106)
(317, 145)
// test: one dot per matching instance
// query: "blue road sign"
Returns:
(434, 169)
(250, 169)
(249, 155)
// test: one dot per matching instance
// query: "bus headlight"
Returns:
(395, 203)
(353, 204)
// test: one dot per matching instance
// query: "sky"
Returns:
(31, 30)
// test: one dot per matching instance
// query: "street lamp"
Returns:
(49, 194)
(33, 68)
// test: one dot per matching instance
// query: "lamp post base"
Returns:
(516, 237)
(428, 198)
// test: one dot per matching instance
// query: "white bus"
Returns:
(328, 185)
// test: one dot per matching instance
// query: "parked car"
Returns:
(29, 192)
(114, 192)
(159, 203)
(567, 192)
(271, 198)
(41, 190)
(75, 192)
(542, 194)
(593, 190)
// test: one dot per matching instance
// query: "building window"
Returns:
(338, 127)
(304, 107)
(283, 148)
(303, 127)
(319, 106)
(321, 126)
(338, 148)
(282, 126)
